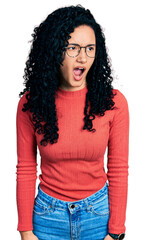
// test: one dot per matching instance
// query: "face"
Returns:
(69, 79)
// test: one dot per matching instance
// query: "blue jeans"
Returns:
(86, 219)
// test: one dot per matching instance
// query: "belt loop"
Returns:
(53, 204)
(87, 205)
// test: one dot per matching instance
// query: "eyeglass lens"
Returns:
(73, 50)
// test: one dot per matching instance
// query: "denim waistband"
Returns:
(54, 202)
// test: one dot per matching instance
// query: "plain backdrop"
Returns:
(123, 25)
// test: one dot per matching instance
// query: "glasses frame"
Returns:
(80, 49)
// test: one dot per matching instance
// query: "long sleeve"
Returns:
(117, 165)
(26, 173)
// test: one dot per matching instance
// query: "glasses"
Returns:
(73, 50)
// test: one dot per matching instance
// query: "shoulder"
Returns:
(119, 98)
(20, 105)
(23, 99)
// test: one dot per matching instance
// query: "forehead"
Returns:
(82, 35)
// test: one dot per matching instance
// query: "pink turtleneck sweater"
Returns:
(73, 168)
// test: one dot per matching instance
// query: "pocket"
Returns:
(101, 206)
(40, 207)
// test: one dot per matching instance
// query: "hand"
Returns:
(108, 237)
(28, 235)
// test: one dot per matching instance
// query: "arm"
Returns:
(117, 165)
(26, 167)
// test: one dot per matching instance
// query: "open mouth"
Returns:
(78, 72)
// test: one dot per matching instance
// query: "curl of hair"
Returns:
(42, 71)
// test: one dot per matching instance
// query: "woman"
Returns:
(71, 111)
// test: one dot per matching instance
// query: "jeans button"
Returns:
(72, 206)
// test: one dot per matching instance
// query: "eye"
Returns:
(71, 48)
(90, 48)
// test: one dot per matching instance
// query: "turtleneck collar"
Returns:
(70, 94)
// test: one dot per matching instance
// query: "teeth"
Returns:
(79, 68)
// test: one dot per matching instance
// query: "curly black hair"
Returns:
(43, 65)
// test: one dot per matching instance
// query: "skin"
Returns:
(28, 235)
(82, 35)
(108, 237)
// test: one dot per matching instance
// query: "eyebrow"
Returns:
(86, 45)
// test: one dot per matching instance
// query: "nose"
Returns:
(82, 56)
